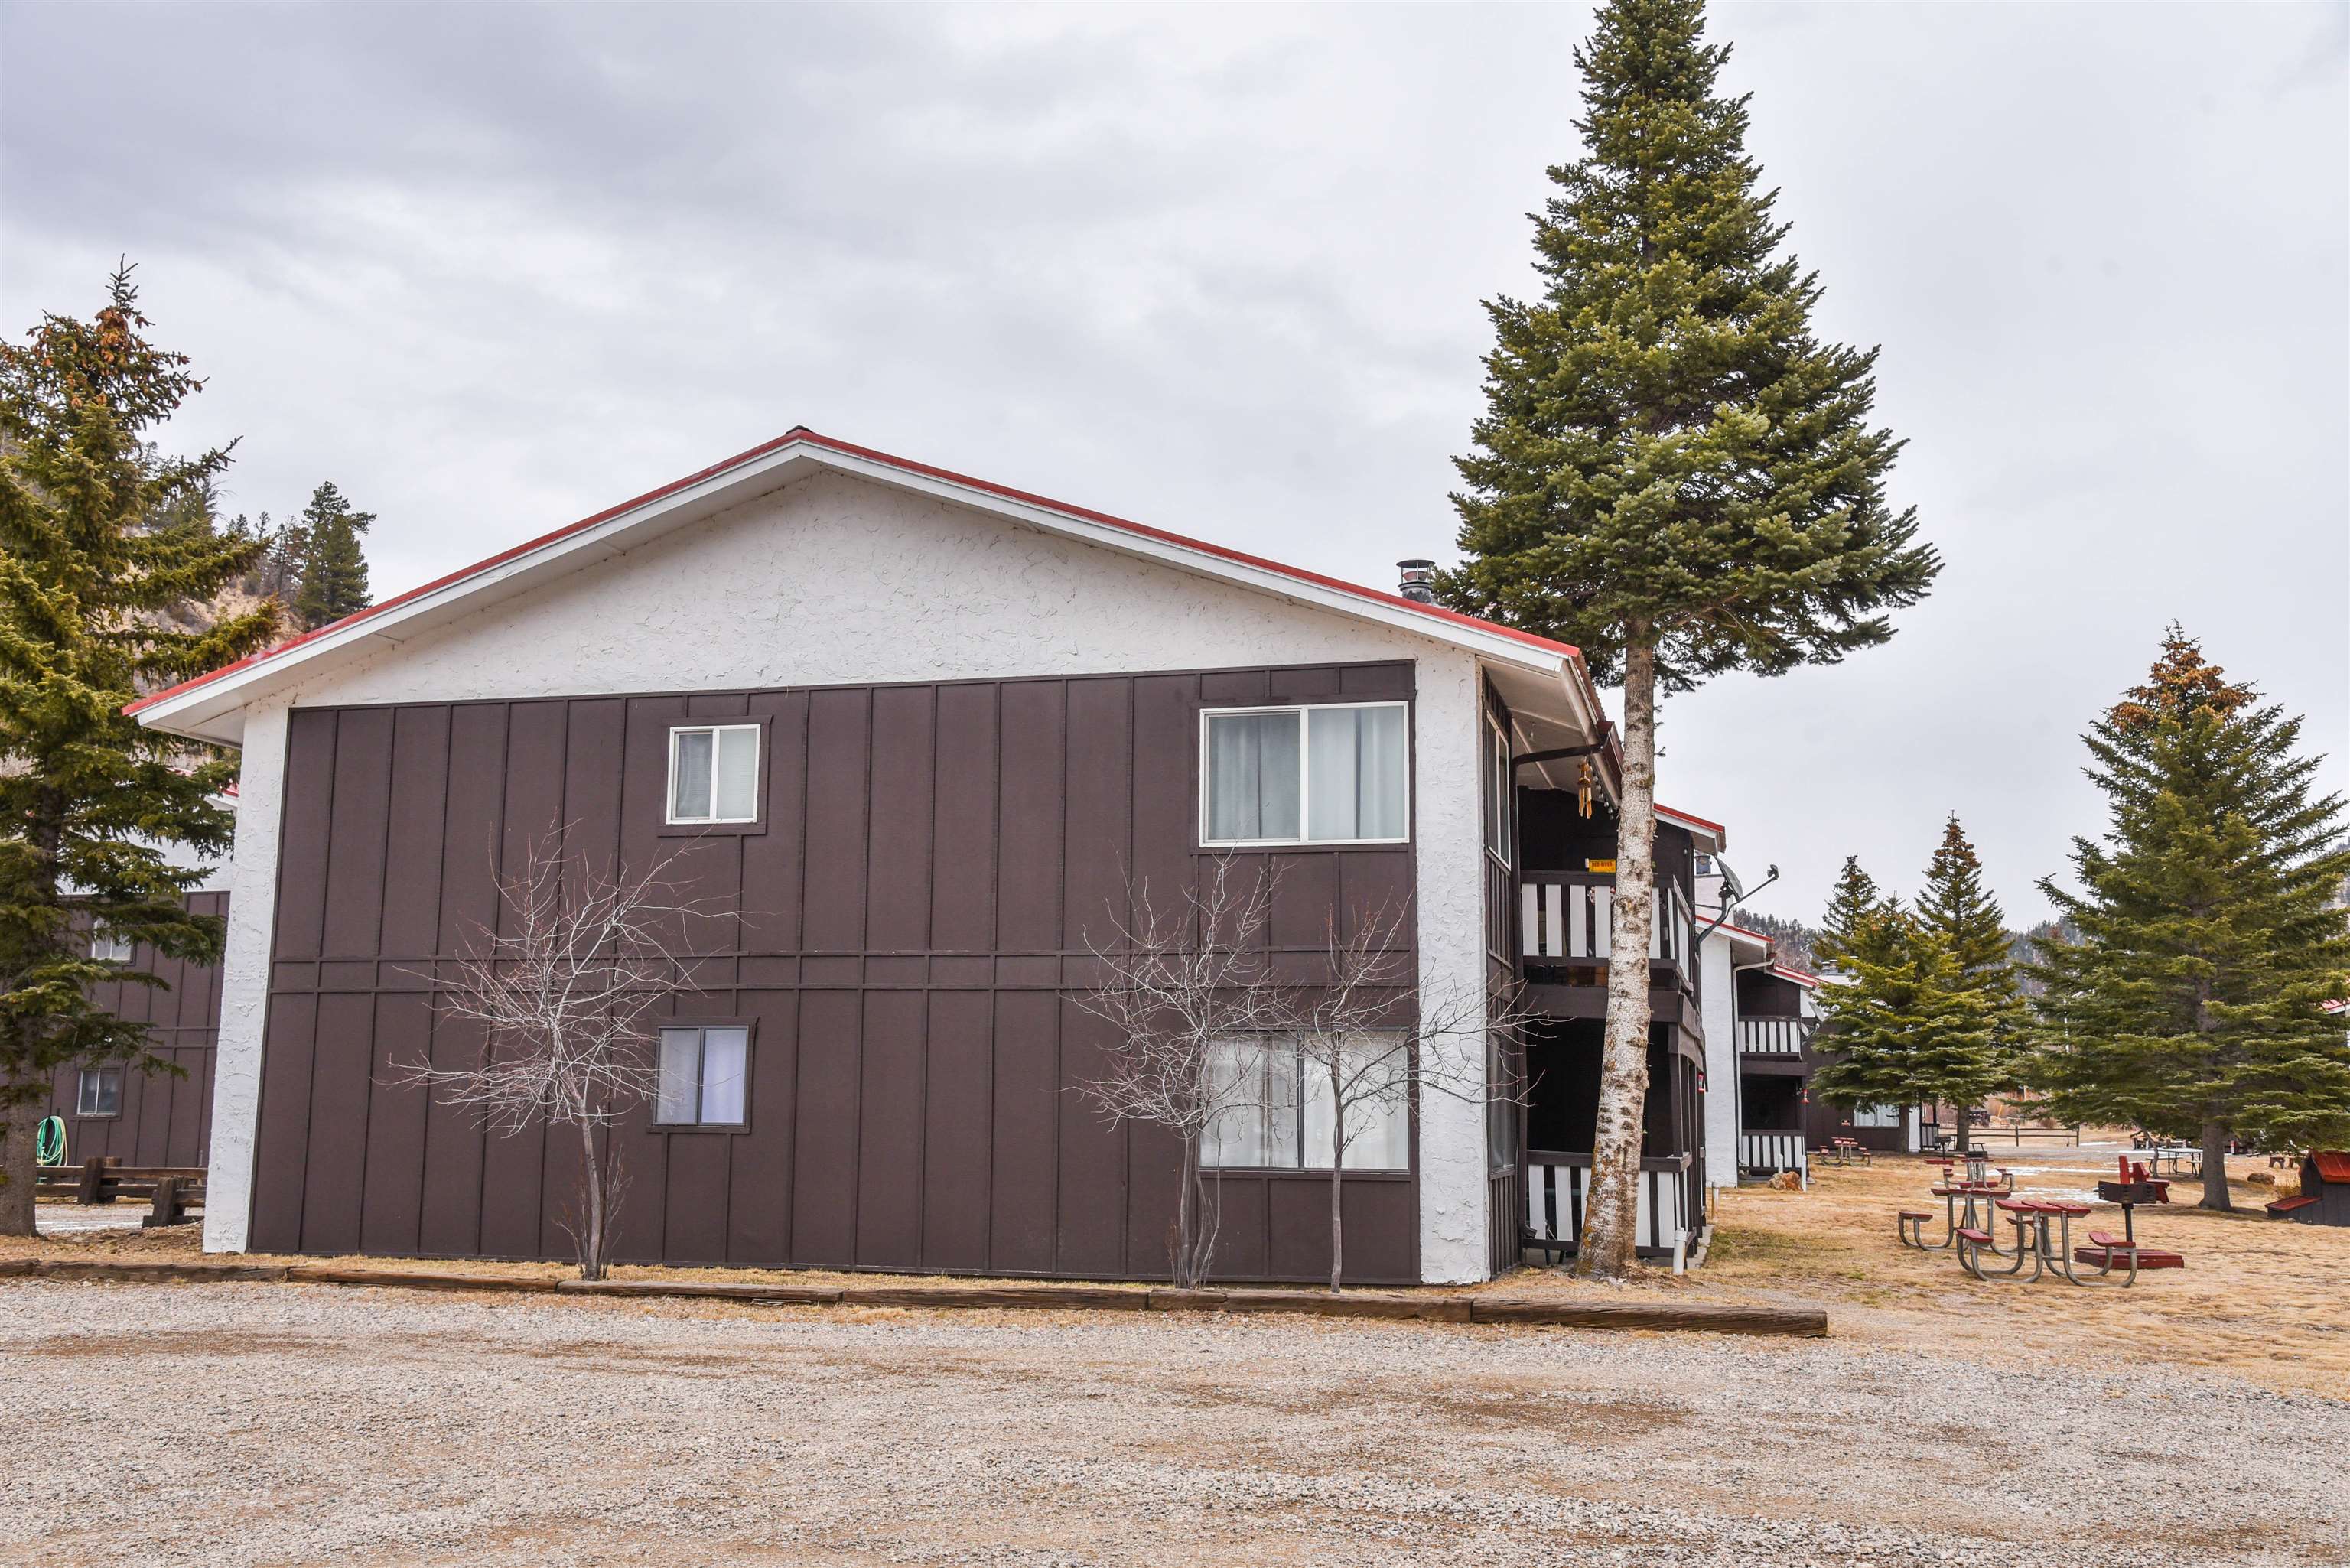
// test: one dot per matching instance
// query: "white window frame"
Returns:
(95, 1077)
(106, 946)
(1300, 1070)
(701, 1029)
(1500, 792)
(1304, 777)
(758, 779)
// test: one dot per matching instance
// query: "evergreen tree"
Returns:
(1903, 1025)
(1957, 907)
(1672, 473)
(333, 580)
(102, 542)
(1855, 917)
(2191, 1002)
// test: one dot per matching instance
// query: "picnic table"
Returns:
(2043, 1230)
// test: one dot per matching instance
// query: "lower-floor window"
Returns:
(702, 1071)
(1876, 1116)
(1283, 1108)
(98, 1092)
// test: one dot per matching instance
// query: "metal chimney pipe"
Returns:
(1418, 581)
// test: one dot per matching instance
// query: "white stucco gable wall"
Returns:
(839, 580)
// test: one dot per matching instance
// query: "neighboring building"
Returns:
(925, 731)
(112, 1110)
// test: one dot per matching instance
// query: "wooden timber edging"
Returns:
(1392, 1305)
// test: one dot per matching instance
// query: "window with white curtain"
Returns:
(714, 773)
(98, 1092)
(704, 1071)
(107, 948)
(1284, 1113)
(1335, 773)
(1876, 1116)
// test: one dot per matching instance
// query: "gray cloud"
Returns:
(491, 268)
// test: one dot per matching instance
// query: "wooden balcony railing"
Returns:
(1771, 1150)
(1774, 1036)
(1558, 1185)
(1569, 916)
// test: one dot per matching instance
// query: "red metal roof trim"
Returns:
(1693, 817)
(802, 433)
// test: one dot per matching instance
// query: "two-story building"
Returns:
(923, 735)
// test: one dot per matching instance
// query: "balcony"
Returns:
(1568, 918)
(1783, 1037)
(1772, 1149)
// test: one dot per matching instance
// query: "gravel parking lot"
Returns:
(271, 1424)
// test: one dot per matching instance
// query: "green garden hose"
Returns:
(50, 1141)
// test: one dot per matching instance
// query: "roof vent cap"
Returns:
(1418, 581)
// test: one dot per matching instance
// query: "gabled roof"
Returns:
(1711, 837)
(210, 705)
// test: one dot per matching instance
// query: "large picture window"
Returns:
(714, 773)
(1328, 775)
(703, 1071)
(1285, 1117)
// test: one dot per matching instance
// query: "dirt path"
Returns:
(268, 1424)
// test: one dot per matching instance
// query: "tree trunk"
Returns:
(2215, 1168)
(1611, 1221)
(1966, 1128)
(19, 1167)
(1189, 1200)
(1337, 1163)
(591, 1190)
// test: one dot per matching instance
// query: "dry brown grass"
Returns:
(2266, 1300)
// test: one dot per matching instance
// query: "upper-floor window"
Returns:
(1335, 773)
(704, 1070)
(98, 1092)
(714, 773)
(106, 946)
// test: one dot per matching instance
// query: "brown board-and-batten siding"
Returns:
(166, 1117)
(906, 931)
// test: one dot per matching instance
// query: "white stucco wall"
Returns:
(840, 580)
(245, 984)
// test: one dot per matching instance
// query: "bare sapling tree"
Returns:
(1180, 985)
(567, 995)
(1377, 1042)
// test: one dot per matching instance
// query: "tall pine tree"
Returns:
(1903, 1025)
(1957, 907)
(333, 580)
(101, 539)
(2192, 1002)
(1672, 471)
(1855, 917)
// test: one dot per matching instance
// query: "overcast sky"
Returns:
(489, 269)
